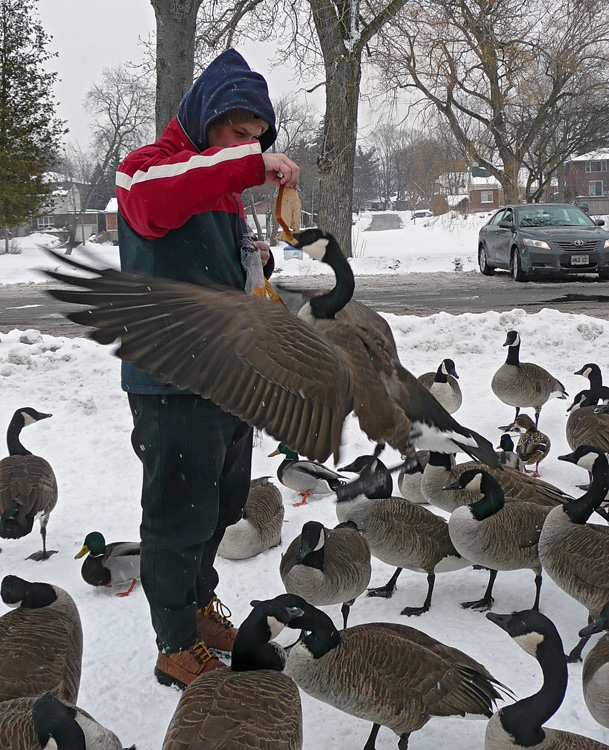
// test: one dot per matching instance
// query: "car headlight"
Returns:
(536, 243)
(606, 245)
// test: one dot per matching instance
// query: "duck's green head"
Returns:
(94, 543)
(287, 452)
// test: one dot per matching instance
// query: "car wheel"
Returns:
(515, 266)
(482, 262)
(603, 275)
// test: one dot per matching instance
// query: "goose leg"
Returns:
(537, 413)
(345, 609)
(537, 591)
(576, 653)
(371, 741)
(44, 554)
(403, 742)
(386, 591)
(486, 601)
(409, 611)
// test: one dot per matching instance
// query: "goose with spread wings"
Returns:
(296, 377)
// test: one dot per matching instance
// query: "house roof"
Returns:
(112, 207)
(592, 156)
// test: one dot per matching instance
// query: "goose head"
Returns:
(374, 480)
(472, 480)
(312, 540)
(94, 543)
(528, 628)
(597, 626)
(27, 415)
(56, 726)
(448, 368)
(17, 592)
(512, 339)
(591, 371)
(586, 456)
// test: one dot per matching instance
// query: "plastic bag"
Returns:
(252, 262)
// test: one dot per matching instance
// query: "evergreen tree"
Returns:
(29, 132)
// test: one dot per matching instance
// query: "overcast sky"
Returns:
(91, 35)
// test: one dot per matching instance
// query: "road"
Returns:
(28, 305)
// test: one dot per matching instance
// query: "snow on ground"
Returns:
(87, 441)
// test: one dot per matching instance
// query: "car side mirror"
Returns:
(599, 222)
(505, 224)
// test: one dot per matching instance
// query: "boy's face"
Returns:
(222, 136)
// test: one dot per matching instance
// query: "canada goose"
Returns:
(521, 724)
(596, 669)
(392, 675)
(28, 488)
(260, 525)
(495, 534)
(327, 566)
(297, 378)
(252, 704)
(593, 372)
(524, 384)
(43, 635)
(533, 446)
(588, 424)
(46, 722)
(506, 453)
(109, 564)
(409, 480)
(304, 476)
(441, 471)
(399, 533)
(358, 314)
(444, 386)
(575, 554)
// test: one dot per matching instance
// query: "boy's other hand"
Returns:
(279, 170)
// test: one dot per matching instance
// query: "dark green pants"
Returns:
(197, 465)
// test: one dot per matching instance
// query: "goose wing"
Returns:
(30, 482)
(252, 358)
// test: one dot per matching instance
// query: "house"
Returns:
(587, 180)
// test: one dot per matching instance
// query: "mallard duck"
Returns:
(43, 635)
(260, 525)
(596, 666)
(533, 446)
(400, 533)
(524, 384)
(28, 488)
(575, 554)
(304, 476)
(327, 566)
(109, 564)
(495, 534)
(521, 724)
(506, 453)
(443, 385)
(391, 675)
(46, 722)
(252, 704)
(296, 378)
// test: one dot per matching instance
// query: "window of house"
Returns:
(595, 188)
(486, 196)
(45, 222)
(596, 166)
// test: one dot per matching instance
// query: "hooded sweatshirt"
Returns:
(180, 215)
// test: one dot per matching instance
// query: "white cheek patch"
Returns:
(321, 542)
(529, 642)
(474, 484)
(317, 249)
(587, 461)
(275, 626)
(27, 418)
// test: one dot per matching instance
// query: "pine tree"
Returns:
(30, 135)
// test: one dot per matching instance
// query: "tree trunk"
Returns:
(338, 149)
(176, 22)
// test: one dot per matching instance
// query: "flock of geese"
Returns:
(298, 378)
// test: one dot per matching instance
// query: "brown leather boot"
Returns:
(183, 667)
(216, 629)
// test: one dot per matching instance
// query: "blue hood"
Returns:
(227, 83)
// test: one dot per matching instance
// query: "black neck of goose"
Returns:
(38, 595)
(322, 636)
(441, 377)
(580, 510)
(252, 649)
(325, 306)
(12, 437)
(596, 380)
(513, 355)
(492, 499)
(440, 459)
(524, 719)
(314, 558)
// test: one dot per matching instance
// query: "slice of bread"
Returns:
(288, 210)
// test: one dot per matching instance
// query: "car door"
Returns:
(490, 237)
(503, 239)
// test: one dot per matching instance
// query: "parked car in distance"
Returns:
(423, 213)
(543, 238)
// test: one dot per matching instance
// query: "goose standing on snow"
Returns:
(304, 476)
(575, 554)
(495, 534)
(260, 525)
(533, 446)
(327, 566)
(28, 488)
(43, 636)
(521, 724)
(400, 533)
(595, 674)
(250, 705)
(109, 564)
(443, 385)
(46, 722)
(297, 378)
(391, 675)
(588, 423)
(523, 384)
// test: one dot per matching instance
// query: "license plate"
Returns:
(579, 260)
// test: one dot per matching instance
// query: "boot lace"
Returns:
(201, 653)
(219, 611)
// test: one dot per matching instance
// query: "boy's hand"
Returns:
(279, 170)
(265, 251)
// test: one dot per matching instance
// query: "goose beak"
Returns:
(594, 627)
(452, 486)
(568, 457)
(501, 620)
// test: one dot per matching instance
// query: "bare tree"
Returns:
(501, 73)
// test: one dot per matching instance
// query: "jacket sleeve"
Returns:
(158, 192)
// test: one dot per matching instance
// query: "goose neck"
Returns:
(513, 355)
(327, 305)
(12, 437)
(580, 510)
(491, 502)
(252, 649)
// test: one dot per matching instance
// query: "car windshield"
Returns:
(553, 216)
